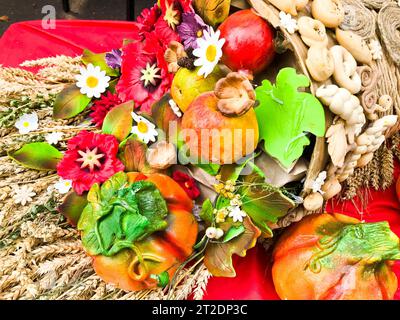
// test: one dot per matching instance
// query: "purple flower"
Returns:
(114, 58)
(190, 29)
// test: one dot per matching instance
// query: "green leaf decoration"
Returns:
(206, 212)
(218, 256)
(37, 155)
(133, 156)
(118, 121)
(120, 213)
(72, 207)
(69, 103)
(213, 12)
(163, 116)
(233, 232)
(98, 60)
(263, 203)
(285, 116)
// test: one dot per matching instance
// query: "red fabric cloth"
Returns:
(28, 40)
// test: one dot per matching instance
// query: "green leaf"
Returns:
(133, 156)
(164, 117)
(210, 168)
(69, 103)
(120, 213)
(72, 207)
(218, 256)
(98, 60)
(213, 12)
(206, 212)
(233, 232)
(263, 203)
(118, 121)
(37, 155)
(286, 115)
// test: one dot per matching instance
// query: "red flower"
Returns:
(101, 107)
(187, 183)
(148, 18)
(144, 73)
(90, 158)
(180, 5)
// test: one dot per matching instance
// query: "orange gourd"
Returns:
(335, 257)
(161, 251)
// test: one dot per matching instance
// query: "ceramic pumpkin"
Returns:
(335, 257)
(138, 252)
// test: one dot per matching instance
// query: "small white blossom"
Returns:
(23, 195)
(236, 201)
(27, 123)
(63, 186)
(175, 108)
(288, 22)
(376, 49)
(319, 182)
(237, 214)
(54, 137)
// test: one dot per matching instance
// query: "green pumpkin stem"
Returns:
(371, 243)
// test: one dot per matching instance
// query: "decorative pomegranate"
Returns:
(248, 42)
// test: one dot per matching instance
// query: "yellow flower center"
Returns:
(26, 124)
(92, 82)
(211, 53)
(142, 127)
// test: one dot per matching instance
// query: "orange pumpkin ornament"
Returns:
(335, 257)
(132, 262)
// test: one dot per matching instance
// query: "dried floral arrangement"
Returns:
(107, 190)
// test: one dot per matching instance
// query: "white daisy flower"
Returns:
(144, 129)
(175, 108)
(63, 186)
(92, 81)
(27, 123)
(54, 137)
(288, 22)
(319, 182)
(23, 195)
(209, 51)
(237, 214)
(376, 49)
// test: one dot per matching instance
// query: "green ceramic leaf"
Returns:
(206, 213)
(213, 12)
(118, 120)
(120, 213)
(285, 116)
(72, 207)
(38, 156)
(69, 103)
(233, 232)
(98, 59)
(263, 203)
(164, 117)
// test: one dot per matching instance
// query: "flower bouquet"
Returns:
(138, 173)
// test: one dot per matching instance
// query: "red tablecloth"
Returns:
(28, 40)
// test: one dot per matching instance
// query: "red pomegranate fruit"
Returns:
(248, 42)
